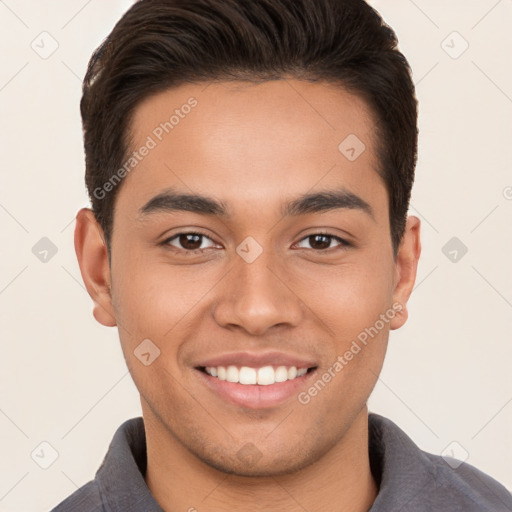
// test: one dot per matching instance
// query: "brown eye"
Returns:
(188, 242)
(322, 241)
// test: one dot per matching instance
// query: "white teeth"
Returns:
(281, 374)
(232, 374)
(263, 376)
(266, 376)
(292, 373)
(247, 375)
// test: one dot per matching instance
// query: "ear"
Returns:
(406, 265)
(91, 251)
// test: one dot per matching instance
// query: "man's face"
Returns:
(267, 287)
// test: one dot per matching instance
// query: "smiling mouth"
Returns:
(263, 376)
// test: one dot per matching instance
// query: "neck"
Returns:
(339, 480)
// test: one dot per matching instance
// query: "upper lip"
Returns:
(257, 360)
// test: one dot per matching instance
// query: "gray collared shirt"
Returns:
(409, 479)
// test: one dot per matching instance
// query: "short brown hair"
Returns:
(160, 44)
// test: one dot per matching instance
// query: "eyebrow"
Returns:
(171, 200)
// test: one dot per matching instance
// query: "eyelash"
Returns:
(343, 243)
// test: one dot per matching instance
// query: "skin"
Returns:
(253, 146)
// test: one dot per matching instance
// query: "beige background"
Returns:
(447, 375)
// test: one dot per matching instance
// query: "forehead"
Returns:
(249, 142)
(305, 110)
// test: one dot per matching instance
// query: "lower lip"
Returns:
(254, 396)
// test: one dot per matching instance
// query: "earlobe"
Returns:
(91, 251)
(406, 266)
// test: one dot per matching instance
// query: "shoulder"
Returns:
(119, 482)
(412, 479)
(466, 485)
(85, 499)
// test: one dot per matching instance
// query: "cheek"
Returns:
(158, 301)
(354, 302)
(348, 297)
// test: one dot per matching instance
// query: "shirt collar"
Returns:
(400, 468)
(402, 471)
(121, 475)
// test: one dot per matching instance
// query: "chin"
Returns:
(250, 462)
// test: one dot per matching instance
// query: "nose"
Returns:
(258, 296)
